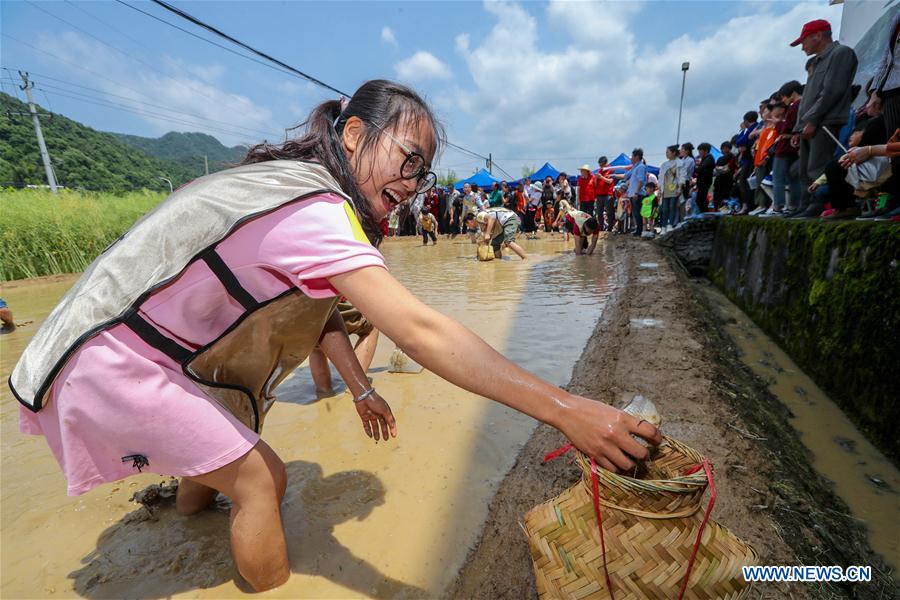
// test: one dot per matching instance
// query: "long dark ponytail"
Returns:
(384, 104)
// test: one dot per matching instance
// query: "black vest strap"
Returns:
(231, 283)
(154, 338)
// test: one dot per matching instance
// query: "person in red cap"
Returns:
(825, 105)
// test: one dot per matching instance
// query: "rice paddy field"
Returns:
(44, 234)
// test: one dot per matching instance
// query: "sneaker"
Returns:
(813, 210)
(757, 211)
(889, 216)
(772, 213)
(839, 215)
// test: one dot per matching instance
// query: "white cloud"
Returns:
(603, 91)
(388, 37)
(188, 88)
(422, 65)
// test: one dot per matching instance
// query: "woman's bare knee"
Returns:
(192, 497)
(261, 474)
(255, 483)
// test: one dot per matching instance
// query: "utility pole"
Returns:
(45, 156)
(684, 69)
(206, 164)
(490, 164)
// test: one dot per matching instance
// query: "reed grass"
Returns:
(44, 234)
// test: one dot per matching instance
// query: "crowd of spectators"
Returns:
(810, 150)
(818, 149)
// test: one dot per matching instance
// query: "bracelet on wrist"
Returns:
(364, 395)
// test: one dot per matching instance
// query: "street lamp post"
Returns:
(167, 181)
(684, 69)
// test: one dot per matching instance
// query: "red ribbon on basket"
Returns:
(595, 488)
(712, 500)
(558, 452)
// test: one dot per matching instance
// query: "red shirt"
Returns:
(601, 187)
(785, 127)
(586, 191)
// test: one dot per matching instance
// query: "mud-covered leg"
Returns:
(192, 497)
(255, 483)
(365, 348)
(321, 373)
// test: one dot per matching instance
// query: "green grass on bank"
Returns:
(42, 233)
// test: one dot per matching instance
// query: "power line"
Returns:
(150, 104)
(128, 55)
(284, 67)
(502, 170)
(259, 53)
(69, 62)
(466, 151)
(2, 83)
(200, 37)
(16, 90)
(143, 113)
(117, 30)
(49, 106)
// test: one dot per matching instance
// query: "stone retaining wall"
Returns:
(829, 295)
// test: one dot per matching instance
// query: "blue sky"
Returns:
(528, 82)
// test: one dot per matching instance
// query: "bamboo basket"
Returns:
(650, 525)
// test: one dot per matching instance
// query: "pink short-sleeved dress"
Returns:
(118, 397)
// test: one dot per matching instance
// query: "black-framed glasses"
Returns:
(414, 167)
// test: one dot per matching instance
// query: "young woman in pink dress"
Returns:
(150, 388)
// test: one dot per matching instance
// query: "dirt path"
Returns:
(658, 339)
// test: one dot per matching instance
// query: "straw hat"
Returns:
(585, 168)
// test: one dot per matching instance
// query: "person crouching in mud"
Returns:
(582, 225)
(364, 350)
(7, 323)
(499, 227)
(171, 366)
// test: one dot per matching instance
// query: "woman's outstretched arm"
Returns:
(453, 352)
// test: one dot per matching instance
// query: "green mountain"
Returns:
(82, 157)
(188, 149)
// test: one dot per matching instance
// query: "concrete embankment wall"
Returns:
(829, 295)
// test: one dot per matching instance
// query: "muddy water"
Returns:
(388, 520)
(862, 476)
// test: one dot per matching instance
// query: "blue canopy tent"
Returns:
(545, 171)
(482, 179)
(622, 160)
